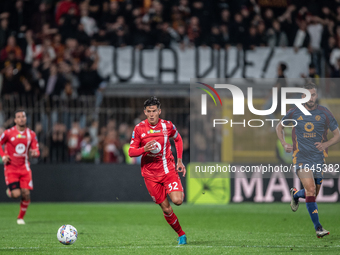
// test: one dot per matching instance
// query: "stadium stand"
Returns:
(48, 57)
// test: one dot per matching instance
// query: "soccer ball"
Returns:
(67, 234)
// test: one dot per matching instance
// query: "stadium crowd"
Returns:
(48, 49)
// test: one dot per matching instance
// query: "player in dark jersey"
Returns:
(19, 141)
(310, 147)
(150, 139)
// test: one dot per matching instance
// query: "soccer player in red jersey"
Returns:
(150, 139)
(19, 140)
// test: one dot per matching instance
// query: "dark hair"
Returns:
(19, 110)
(311, 65)
(283, 67)
(152, 101)
(309, 85)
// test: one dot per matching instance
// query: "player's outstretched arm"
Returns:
(5, 158)
(280, 134)
(179, 149)
(136, 152)
(35, 152)
(335, 139)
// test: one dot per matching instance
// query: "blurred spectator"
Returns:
(5, 32)
(216, 39)
(225, 35)
(11, 83)
(41, 16)
(1, 131)
(276, 37)
(100, 38)
(315, 29)
(42, 139)
(225, 17)
(109, 17)
(111, 152)
(59, 48)
(88, 76)
(335, 53)
(90, 26)
(11, 46)
(237, 29)
(88, 151)
(81, 36)
(280, 83)
(194, 31)
(63, 7)
(19, 16)
(165, 35)
(74, 138)
(302, 38)
(68, 24)
(312, 75)
(54, 82)
(253, 39)
(58, 144)
(262, 34)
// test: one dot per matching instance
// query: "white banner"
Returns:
(259, 63)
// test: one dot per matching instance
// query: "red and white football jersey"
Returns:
(159, 161)
(17, 145)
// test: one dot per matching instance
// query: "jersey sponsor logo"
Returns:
(309, 126)
(153, 131)
(133, 134)
(20, 148)
(300, 118)
(158, 149)
(21, 136)
(143, 135)
(317, 117)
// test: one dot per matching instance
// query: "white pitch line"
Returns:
(168, 246)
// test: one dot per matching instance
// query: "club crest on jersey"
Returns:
(309, 127)
(158, 148)
(21, 136)
(20, 148)
(151, 131)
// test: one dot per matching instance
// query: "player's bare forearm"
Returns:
(280, 133)
(335, 139)
(180, 167)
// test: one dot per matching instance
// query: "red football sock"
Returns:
(23, 207)
(174, 223)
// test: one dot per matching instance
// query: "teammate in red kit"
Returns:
(19, 140)
(150, 139)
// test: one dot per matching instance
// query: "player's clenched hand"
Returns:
(180, 167)
(288, 147)
(149, 146)
(320, 146)
(34, 153)
(6, 159)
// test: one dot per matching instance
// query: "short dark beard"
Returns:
(310, 107)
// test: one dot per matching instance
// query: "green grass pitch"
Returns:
(140, 228)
